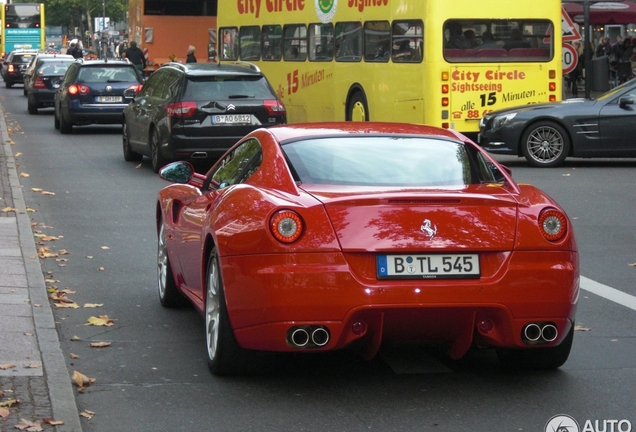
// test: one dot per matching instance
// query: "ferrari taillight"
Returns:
(286, 226)
(552, 224)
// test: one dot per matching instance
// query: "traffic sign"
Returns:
(570, 58)
(569, 32)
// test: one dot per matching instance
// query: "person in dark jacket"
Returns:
(190, 58)
(136, 56)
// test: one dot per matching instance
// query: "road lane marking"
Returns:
(609, 293)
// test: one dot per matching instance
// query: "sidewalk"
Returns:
(32, 366)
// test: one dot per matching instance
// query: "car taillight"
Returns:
(553, 224)
(11, 68)
(136, 87)
(74, 89)
(181, 109)
(38, 83)
(274, 107)
(286, 226)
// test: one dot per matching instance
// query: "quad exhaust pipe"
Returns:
(308, 336)
(540, 332)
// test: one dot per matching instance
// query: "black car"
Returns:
(42, 79)
(93, 92)
(198, 111)
(546, 134)
(16, 63)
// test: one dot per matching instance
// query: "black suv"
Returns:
(16, 63)
(197, 111)
(93, 92)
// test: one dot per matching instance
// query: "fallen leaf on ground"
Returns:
(138, 166)
(45, 252)
(9, 403)
(4, 412)
(73, 356)
(30, 210)
(81, 380)
(23, 174)
(50, 421)
(10, 210)
(87, 414)
(18, 154)
(93, 305)
(48, 193)
(37, 189)
(32, 366)
(581, 328)
(63, 252)
(72, 305)
(100, 344)
(105, 247)
(29, 426)
(6, 366)
(101, 269)
(101, 320)
(76, 339)
(632, 264)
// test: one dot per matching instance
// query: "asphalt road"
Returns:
(153, 376)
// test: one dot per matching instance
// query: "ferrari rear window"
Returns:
(380, 161)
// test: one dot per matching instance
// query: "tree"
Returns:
(80, 13)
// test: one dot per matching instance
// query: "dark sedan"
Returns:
(42, 79)
(546, 134)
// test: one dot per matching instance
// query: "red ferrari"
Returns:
(317, 237)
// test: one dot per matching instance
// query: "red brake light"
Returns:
(74, 89)
(274, 107)
(286, 226)
(11, 68)
(38, 83)
(136, 87)
(552, 224)
(181, 109)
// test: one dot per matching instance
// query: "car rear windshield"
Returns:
(100, 74)
(380, 161)
(227, 87)
(54, 67)
(22, 58)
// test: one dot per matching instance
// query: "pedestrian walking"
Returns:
(190, 58)
(135, 56)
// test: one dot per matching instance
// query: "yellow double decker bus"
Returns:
(437, 62)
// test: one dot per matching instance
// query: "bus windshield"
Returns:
(22, 16)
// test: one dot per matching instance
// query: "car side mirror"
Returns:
(177, 172)
(625, 100)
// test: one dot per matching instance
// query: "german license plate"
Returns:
(109, 99)
(432, 266)
(233, 119)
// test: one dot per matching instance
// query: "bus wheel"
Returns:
(358, 109)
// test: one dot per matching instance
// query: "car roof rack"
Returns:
(247, 64)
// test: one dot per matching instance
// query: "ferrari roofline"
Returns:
(308, 130)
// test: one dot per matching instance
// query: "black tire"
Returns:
(225, 356)
(545, 144)
(158, 161)
(7, 84)
(56, 120)
(31, 107)
(537, 358)
(358, 109)
(169, 294)
(66, 127)
(129, 154)
(24, 92)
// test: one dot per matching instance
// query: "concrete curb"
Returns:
(54, 367)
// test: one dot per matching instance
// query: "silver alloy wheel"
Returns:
(162, 262)
(212, 308)
(545, 144)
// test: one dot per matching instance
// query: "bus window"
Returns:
(272, 42)
(485, 41)
(320, 42)
(229, 43)
(295, 42)
(408, 41)
(250, 37)
(348, 41)
(377, 41)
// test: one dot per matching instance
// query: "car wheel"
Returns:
(545, 144)
(24, 92)
(537, 358)
(33, 108)
(169, 295)
(66, 127)
(358, 110)
(129, 155)
(225, 356)
(158, 161)
(8, 84)
(56, 120)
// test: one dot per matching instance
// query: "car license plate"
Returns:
(432, 266)
(109, 99)
(233, 119)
